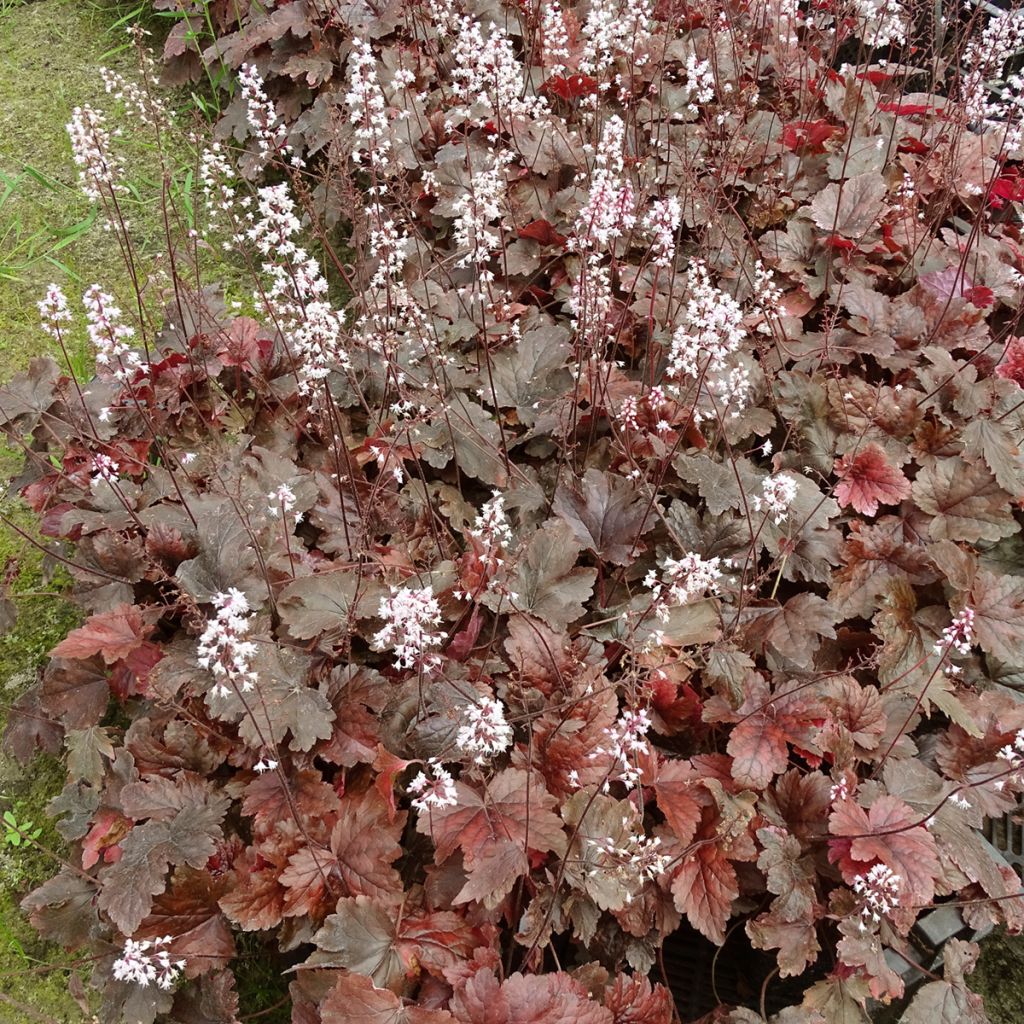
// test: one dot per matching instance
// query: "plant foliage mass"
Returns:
(636, 552)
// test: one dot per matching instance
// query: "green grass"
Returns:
(53, 50)
(262, 986)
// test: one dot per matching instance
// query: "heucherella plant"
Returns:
(592, 529)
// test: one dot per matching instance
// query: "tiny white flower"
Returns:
(282, 499)
(626, 743)
(53, 310)
(222, 649)
(880, 891)
(682, 581)
(105, 468)
(958, 635)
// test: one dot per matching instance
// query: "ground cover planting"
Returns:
(600, 527)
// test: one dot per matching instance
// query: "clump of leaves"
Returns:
(640, 545)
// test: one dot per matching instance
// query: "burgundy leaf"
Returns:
(704, 887)
(888, 833)
(512, 815)
(606, 515)
(867, 479)
(356, 1000)
(366, 842)
(537, 999)
(114, 635)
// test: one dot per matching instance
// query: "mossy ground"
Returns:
(999, 977)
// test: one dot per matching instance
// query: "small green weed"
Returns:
(18, 832)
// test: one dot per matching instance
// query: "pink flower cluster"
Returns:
(53, 311)
(297, 296)
(682, 580)
(706, 344)
(486, 731)
(639, 858)
(610, 211)
(959, 634)
(777, 494)
(99, 168)
(367, 108)
(222, 648)
(262, 116)
(879, 890)
(491, 527)
(110, 336)
(411, 619)
(147, 962)
(436, 790)
(625, 744)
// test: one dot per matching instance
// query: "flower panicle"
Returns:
(411, 620)
(222, 648)
(148, 962)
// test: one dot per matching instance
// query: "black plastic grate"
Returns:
(1006, 834)
(699, 982)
